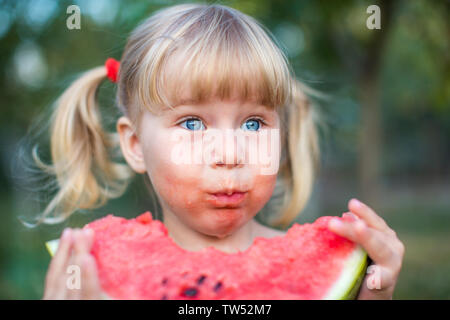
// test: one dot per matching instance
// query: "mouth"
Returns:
(227, 199)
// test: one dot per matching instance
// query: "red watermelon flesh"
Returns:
(137, 259)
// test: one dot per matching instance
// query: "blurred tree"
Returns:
(361, 51)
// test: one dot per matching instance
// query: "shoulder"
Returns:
(267, 232)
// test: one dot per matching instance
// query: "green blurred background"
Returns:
(384, 134)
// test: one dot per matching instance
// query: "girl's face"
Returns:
(191, 187)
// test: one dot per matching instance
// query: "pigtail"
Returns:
(85, 174)
(298, 169)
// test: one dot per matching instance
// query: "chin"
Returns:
(216, 231)
(224, 226)
(219, 236)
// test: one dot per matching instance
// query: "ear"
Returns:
(130, 145)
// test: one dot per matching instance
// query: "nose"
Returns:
(228, 152)
(219, 163)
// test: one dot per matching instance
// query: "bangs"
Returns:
(214, 52)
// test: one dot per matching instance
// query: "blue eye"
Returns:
(193, 124)
(251, 124)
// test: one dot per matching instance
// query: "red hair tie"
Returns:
(112, 69)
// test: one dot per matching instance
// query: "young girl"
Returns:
(196, 68)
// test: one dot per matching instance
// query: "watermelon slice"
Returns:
(137, 259)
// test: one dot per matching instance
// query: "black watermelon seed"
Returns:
(218, 286)
(164, 297)
(164, 281)
(201, 279)
(190, 292)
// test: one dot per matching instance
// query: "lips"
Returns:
(226, 199)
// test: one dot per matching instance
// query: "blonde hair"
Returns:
(227, 53)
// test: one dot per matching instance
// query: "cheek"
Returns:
(264, 186)
(175, 184)
(178, 186)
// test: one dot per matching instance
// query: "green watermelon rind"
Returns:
(353, 292)
(52, 246)
(346, 288)
(349, 282)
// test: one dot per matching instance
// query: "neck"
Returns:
(192, 240)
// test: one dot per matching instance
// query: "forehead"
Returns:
(191, 80)
(186, 94)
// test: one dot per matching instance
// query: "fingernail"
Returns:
(349, 215)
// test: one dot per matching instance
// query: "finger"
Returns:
(367, 214)
(60, 259)
(78, 242)
(378, 283)
(83, 241)
(73, 277)
(55, 290)
(348, 216)
(91, 285)
(89, 235)
(373, 241)
(60, 287)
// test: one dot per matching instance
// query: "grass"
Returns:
(426, 267)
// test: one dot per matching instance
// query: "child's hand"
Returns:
(382, 245)
(73, 250)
